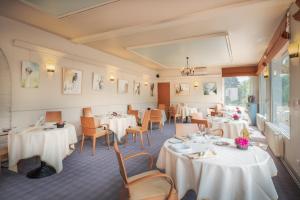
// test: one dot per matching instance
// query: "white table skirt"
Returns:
(231, 174)
(232, 128)
(186, 111)
(51, 145)
(118, 124)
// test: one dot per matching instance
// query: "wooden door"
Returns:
(163, 94)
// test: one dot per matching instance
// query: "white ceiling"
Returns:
(165, 31)
(208, 50)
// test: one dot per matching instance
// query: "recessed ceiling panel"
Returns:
(210, 50)
(62, 8)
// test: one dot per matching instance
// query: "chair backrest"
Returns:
(212, 113)
(155, 115)
(53, 116)
(87, 112)
(200, 122)
(173, 110)
(135, 113)
(121, 163)
(146, 120)
(88, 125)
(129, 107)
(219, 107)
(161, 106)
(185, 129)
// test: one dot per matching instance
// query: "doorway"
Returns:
(163, 94)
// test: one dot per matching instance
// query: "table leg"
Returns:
(43, 171)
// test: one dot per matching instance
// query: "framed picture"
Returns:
(136, 88)
(152, 89)
(210, 88)
(182, 89)
(30, 74)
(72, 79)
(97, 82)
(123, 86)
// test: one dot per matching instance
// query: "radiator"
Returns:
(260, 122)
(274, 139)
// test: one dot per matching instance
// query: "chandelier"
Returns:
(187, 71)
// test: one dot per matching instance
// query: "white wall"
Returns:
(196, 97)
(22, 42)
(292, 145)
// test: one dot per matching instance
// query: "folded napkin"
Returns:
(203, 154)
(182, 138)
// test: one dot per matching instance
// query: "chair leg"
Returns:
(126, 139)
(151, 127)
(148, 139)
(107, 140)
(82, 141)
(94, 145)
(134, 137)
(142, 141)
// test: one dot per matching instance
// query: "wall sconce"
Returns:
(50, 68)
(266, 72)
(112, 78)
(293, 50)
(196, 84)
(146, 83)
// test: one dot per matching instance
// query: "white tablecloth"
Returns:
(232, 128)
(231, 174)
(51, 145)
(186, 111)
(118, 124)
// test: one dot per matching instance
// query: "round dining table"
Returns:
(231, 128)
(185, 111)
(50, 143)
(229, 173)
(118, 124)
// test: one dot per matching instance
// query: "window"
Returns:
(280, 92)
(237, 90)
(263, 95)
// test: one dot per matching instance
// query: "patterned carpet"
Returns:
(97, 177)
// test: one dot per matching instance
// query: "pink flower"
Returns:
(242, 142)
(235, 116)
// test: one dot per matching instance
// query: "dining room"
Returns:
(126, 99)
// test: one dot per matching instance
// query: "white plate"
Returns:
(175, 141)
(181, 148)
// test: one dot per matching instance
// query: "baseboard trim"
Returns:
(291, 172)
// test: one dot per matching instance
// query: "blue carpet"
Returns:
(97, 177)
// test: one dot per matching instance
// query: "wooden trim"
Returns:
(279, 39)
(239, 71)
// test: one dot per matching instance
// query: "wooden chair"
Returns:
(87, 112)
(129, 107)
(219, 114)
(150, 185)
(219, 107)
(201, 122)
(185, 129)
(217, 132)
(135, 113)
(3, 151)
(53, 116)
(161, 106)
(140, 129)
(173, 113)
(91, 129)
(155, 117)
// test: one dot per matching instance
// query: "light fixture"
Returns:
(187, 71)
(196, 84)
(50, 68)
(112, 78)
(146, 83)
(266, 72)
(293, 50)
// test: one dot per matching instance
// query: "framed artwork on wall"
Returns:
(97, 81)
(152, 87)
(210, 88)
(30, 74)
(123, 86)
(72, 79)
(182, 89)
(136, 88)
